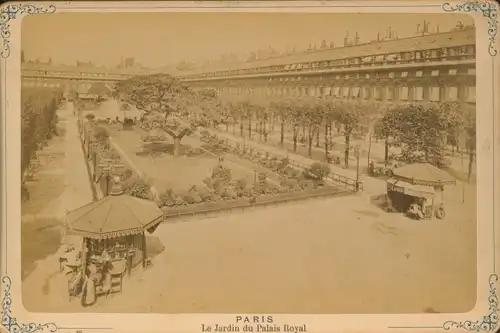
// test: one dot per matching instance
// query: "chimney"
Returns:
(437, 29)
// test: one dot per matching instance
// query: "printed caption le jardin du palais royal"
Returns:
(205, 167)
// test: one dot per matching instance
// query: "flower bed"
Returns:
(244, 203)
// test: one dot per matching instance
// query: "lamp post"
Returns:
(356, 154)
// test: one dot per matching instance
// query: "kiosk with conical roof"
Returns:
(113, 240)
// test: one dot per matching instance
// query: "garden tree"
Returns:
(247, 110)
(296, 118)
(350, 114)
(209, 107)
(38, 121)
(281, 109)
(374, 111)
(234, 113)
(420, 129)
(459, 114)
(388, 127)
(312, 115)
(462, 128)
(163, 99)
(328, 117)
(469, 127)
(262, 115)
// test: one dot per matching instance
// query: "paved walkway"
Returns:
(77, 192)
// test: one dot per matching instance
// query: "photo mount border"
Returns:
(9, 13)
(489, 10)
(488, 323)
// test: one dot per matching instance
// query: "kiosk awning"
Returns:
(397, 185)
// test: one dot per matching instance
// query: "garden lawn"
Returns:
(168, 172)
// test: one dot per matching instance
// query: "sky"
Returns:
(158, 39)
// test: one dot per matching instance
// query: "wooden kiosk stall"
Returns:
(113, 241)
(419, 184)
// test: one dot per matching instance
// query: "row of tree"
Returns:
(420, 129)
(38, 121)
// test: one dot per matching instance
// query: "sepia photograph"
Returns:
(310, 164)
(248, 162)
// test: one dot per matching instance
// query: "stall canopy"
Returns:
(397, 185)
(113, 216)
(423, 174)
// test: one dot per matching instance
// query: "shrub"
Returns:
(100, 133)
(166, 198)
(140, 189)
(90, 116)
(317, 171)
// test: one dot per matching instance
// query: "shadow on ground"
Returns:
(41, 237)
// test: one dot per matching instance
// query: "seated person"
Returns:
(416, 210)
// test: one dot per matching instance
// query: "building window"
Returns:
(471, 94)
(389, 93)
(418, 73)
(366, 94)
(391, 74)
(378, 93)
(471, 71)
(418, 93)
(355, 92)
(452, 94)
(452, 72)
(435, 72)
(404, 74)
(367, 76)
(336, 91)
(345, 91)
(347, 76)
(434, 94)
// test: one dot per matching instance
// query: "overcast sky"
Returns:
(156, 39)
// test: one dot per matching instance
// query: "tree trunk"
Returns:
(282, 134)
(295, 134)
(265, 131)
(326, 142)
(177, 146)
(386, 152)
(310, 135)
(471, 162)
(317, 137)
(250, 128)
(346, 152)
(369, 149)
(227, 127)
(330, 134)
(241, 129)
(234, 127)
(260, 130)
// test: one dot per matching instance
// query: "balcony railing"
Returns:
(343, 64)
